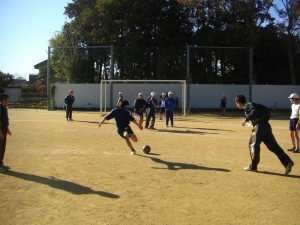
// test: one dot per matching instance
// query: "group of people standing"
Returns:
(166, 105)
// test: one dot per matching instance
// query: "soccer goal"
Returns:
(109, 90)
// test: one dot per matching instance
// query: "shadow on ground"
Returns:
(184, 131)
(181, 166)
(279, 174)
(64, 185)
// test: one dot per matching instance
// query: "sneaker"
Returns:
(6, 167)
(71, 120)
(248, 168)
(291, 149)
(133, 152)
(172, 125)
(2, 169)
(288, 168)
(152, 128)
(167, 125)
(297, 150)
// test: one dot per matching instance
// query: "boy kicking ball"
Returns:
(259, 116)
(123, 117)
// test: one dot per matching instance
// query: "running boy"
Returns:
(69, 100)
(140, 106)
(295, 123)
(259, 116)
(123, 117)
(170, 104)
(4, 129)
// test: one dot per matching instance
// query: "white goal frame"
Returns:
(104, 94)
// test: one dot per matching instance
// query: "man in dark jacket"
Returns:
(69, 100)
(259, 116)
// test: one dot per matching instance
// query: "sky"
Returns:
(26, 26)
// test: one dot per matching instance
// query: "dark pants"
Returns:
(263, 133)
(150, 113)
(2, 150)
(169, 116)
(69, 110)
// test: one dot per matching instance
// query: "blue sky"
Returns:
(26, 27)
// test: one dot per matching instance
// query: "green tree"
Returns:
(290, 25)
(5, 80)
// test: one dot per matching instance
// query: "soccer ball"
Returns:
(146, 149)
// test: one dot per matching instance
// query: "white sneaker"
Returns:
(133, 152)
(248, 168)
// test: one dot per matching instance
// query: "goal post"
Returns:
(130, 88)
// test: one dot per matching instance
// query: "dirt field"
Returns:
(76, 173)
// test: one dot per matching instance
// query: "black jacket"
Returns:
(256, 113)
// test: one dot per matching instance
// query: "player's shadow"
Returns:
(83, 121)
(279, 174)
(199, 128)
(64, 185)
(181, 166)
(184, 131)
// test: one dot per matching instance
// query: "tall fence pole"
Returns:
(250, 72)
(48, 78)
(188, 74)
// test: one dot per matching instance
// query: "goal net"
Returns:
(109, 90)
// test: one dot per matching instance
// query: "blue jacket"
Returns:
(122, 117)
(152, 103)
(170, 104)
(69, 99)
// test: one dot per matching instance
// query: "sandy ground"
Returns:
(76, 173)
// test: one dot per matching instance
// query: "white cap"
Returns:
(120, 93)
(140, 94)
(163, 94)
(294, 95)
(153, 94)
(170, 93)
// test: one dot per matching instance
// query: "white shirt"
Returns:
(295, 111)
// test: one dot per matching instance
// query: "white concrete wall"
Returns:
(84, 94)
(201, 95)
(15, 94)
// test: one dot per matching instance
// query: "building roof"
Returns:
(41, 64)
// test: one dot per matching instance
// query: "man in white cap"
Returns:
(150, 114)
(295, 122)
(162, 105)
(120, 94)
(140, 106)
(170, 104)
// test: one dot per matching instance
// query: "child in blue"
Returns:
(69, 100)
(123, 117)
(223, 104)
(4, 129)
(170, 104)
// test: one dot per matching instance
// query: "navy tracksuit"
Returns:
(170, 104)
(150, 113)
(259, 115)
(69, 100)
(4, 123)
